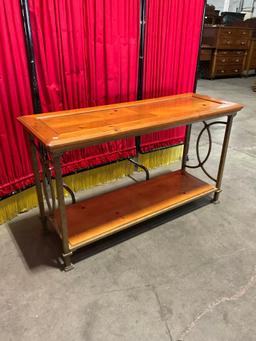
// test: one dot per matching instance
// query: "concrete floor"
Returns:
(186, 275)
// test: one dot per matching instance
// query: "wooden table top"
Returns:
(71, 129)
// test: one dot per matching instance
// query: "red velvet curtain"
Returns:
(171, 48)
(15, 99)
(87, 54)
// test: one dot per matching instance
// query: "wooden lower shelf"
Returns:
(103, 215)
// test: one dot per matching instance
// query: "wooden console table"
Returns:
(81, 223)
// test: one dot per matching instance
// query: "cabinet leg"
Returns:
(67, 262)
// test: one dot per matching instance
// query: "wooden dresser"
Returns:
(251, 58)
(231, 45)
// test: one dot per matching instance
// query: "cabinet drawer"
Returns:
(229, 59)
(231, 53)
(237, 33)
(228, 70)
(253, 61)
(253, 65)
(233, 43)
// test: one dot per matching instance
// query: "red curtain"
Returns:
(87, 54)
(171, 48)
(15, 99)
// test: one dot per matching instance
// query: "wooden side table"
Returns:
(82, 223)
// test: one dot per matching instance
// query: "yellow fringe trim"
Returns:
(100, 175)
(21, 202)
(17, 203)
(161, 157)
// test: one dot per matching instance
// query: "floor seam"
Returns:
(236, 296)
(162, 313)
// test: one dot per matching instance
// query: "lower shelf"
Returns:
(101, 216)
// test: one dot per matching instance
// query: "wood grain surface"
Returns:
(103, 215)
(66, 130)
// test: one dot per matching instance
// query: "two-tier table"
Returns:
(81, 223)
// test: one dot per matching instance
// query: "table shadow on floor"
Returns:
(38, 248)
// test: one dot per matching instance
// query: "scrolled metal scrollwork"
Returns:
(47, 183)
(201, 163)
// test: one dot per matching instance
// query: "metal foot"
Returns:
(69, 267)
(216, 196)
(67, 262)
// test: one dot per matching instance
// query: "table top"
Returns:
(71, 129)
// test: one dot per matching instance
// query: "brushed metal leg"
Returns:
(223, 158)
(186, 146)
(37, 181)
(63, 217)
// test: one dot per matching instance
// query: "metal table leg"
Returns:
(37, 181)
(186, 146)
(63, 217)
(223, 158)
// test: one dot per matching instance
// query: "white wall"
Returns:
(219, 4)
(233, 5)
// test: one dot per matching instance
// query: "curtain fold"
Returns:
(171, 49)
(86, 54)
(15, 100)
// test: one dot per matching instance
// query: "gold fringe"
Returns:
(161, 157)
(21, 202)
(100, 175)
(17, 203)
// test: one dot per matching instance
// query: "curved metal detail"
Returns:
(69, 190)
(48, 188)
(202, 162)
(140, 166)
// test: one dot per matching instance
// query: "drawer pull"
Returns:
(228, 42)
(229, 32)
(222, 71)
(237, 60)
(236, 70)
(223, 60)
(242, 43)
(244, 32)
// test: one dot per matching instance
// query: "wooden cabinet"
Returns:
(233, 38)
(206, 54)
(230, 45)
(251, 57)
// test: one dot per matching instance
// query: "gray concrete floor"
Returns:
(186, 275)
